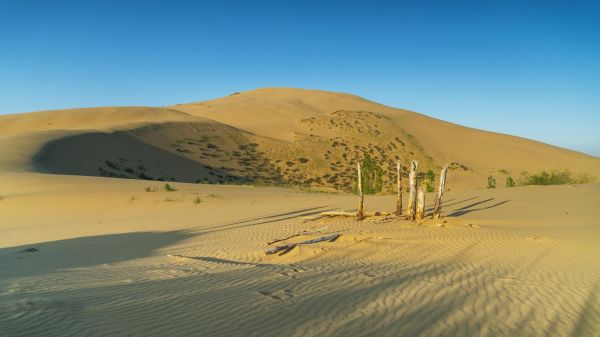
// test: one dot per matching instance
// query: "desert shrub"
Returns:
(150, 189)
(197, 200)
(303, 160)
(429, 181)
(510, 182)
(491, 182)
(169, 188)
(372, 175)
(554, 177)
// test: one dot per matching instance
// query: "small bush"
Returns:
(510, 182)
(554, 177)
(491, 182)
(169, 188)
(150, 189)
(429, 181)
(371, 176)
(197, 200)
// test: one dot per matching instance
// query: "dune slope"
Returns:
(278, 136)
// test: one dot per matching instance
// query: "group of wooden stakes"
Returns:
(415, 209)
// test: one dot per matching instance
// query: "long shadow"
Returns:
(264, 217)
(447, 204)
(226, 227)
(48, 257)
(588, 317)
(469, 209)
(225, 261)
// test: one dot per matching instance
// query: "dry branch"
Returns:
(437, 209)
(305, 232)
(420, 205)
(399, 187)
(361, 199)
(287, 247)
(412, 196)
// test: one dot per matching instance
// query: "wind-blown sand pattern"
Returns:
(84, 253)
(506, 262)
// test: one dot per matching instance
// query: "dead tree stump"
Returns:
(360, 215)
(420, 214)
(437, 209)
(412, 195)
(399, 186)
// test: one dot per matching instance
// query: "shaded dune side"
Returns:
(152, 152)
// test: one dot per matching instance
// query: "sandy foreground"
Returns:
(113, 259)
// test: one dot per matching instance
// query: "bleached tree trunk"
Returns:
(420, 205)
(399, 186)
(359, 212)
(412, 185)
(437, 209)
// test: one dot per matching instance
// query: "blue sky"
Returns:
(528, 68)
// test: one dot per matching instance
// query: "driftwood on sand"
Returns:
(305, 232)
(287, 247)
(343, 213)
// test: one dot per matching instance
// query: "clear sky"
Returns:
(528, 68)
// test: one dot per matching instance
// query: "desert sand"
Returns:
(85, 252)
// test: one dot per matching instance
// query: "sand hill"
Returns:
(276, 136)
(83, 253)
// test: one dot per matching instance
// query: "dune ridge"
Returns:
(273, 136)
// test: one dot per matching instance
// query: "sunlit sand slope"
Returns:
(113, 259)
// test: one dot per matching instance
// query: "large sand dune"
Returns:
(305, 138)
(85, 253)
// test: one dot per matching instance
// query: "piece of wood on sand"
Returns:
(399, 190)
(360, 212)
(437, 209)
(420, 213)
(287, 247)
(412, 194)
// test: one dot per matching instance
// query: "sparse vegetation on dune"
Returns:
(554, 177)
(167, 187)
(491, 182)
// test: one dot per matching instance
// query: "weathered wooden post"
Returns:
(420, 205)
(359, 212)
(399, 186)
(412, 195)
(437, 209)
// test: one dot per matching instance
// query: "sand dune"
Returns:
(83, 252)
(113, 259)
(304, 138)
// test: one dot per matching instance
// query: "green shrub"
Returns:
(169, 188)
(429, 181)
(371, 176)
(150, 189)
(510, 182)
(491, 182)
(554, 177)
(197, 200)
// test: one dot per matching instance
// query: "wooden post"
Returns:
(359, 212)
(399, 186)
(412, 196)
(437, 209)
(420, 205)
